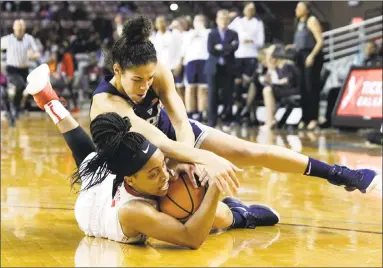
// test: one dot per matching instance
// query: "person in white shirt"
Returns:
(165, 43)
(195, 54)
(251, 36)
(180, 28)
(20, 48)
(168, 44)
(119, 21)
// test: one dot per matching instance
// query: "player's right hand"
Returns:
(222, 172)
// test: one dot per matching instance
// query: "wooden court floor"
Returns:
(321, 225)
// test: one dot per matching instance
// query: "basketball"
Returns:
(182, 199)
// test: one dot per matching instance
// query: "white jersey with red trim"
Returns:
(97, 212)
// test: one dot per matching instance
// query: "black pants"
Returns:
(17, 77)
(224, 79)
(310, 85)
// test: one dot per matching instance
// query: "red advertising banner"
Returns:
(362, 95)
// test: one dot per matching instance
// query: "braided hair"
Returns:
(116, 147)
(134, 47)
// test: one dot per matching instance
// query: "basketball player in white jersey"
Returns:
(121, 183)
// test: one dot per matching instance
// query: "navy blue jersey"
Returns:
(149, 109)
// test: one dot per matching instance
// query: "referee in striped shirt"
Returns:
(20, 47)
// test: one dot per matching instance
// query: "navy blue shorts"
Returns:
(195, 72)
(179, 79)
(245, 66)
(166, 127)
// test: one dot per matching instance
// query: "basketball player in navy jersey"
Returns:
(123, 177)
(140, 86)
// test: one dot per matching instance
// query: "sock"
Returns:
(239, 220)
(316, 168)
(56, 111)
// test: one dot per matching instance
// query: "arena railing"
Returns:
(349, 40)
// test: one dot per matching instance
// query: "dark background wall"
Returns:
(338, 13)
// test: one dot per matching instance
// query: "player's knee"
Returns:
(223, 217)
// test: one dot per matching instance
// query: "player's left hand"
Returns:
(190, 170)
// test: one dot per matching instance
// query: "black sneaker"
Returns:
(256, 215)
(362, 179)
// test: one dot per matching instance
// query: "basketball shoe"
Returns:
(256, 215)
(39, 86)
(362, 179)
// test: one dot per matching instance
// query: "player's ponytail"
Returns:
(134, 47)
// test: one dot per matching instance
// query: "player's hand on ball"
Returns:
(222, 172)
(221, 183)
(190, 170)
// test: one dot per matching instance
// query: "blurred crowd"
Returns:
(222, 74)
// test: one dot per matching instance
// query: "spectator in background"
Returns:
(20, 48)
(251, 34)
(168, 45)
(186, 23)
(179, 28)
(94, 72)
(8, 6)
(56, 78)
(61, 66)
(65, 58)
(308, 43)
(284, 85)
(195, 55)
(371, 55)
(119, 24)
(248, 113)
(164, 42)
(220, 68)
